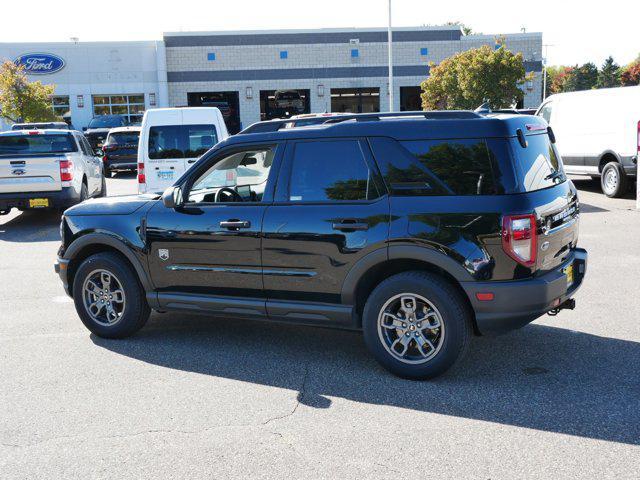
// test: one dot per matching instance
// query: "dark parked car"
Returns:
(121, 149)
(421, 229)
(99, 127)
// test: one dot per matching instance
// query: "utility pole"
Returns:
(390, 42)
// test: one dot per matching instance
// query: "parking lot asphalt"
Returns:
(208, 398)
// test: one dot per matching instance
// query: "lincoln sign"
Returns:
(40, 63)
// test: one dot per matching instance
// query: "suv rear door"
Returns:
(331, 210)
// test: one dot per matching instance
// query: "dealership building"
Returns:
(255, 75)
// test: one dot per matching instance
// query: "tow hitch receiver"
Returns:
(568, 304)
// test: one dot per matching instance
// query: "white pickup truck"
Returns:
(47, 169)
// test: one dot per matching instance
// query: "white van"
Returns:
(597, 134)
(171, 141)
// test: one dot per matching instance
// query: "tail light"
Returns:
(141, 177)
(66, 170)
(520, 238)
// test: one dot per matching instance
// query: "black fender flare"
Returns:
(92, 239)
(399, 252)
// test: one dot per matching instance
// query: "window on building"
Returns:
(129, 106)
(328, 171)
(60, 105)
(283, 103)
(355, 100)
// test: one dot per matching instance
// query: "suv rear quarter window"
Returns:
(437, 167)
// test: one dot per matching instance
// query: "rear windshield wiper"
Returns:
(557, 175)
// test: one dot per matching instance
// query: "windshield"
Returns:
(106, 122)
(123, 138)
(36, 144)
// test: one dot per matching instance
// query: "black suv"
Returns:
(422, 229)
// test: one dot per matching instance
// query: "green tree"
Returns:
(609, 74)
(22, 100)
(469, 78)
(584, 77)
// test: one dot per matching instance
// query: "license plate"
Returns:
(38, 202)
(165, 175)
(569, 273)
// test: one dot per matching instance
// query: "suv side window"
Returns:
(244, 172)
(437, 167)
(333, 170)
(81, 144)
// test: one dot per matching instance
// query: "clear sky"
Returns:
(579, 31)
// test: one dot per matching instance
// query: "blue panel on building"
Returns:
(424, 51)
(355, 53)
(211, 56)
(284, 54)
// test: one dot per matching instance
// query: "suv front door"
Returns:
(330, 210)
(208, 250)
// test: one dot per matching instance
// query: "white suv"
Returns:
(47, 169)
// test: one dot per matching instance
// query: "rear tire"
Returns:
(613, 180)
(434, 337)
(116, 308)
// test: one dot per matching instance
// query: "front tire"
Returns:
(108, 296)
(613, 180)
(416, 325)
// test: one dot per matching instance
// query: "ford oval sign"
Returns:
(40, 63)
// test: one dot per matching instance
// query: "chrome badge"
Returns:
(163, 253)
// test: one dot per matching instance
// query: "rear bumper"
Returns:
(519, 302)
(59, 199)
(121, 163)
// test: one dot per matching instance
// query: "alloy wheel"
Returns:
(411, 328)
(104, 298)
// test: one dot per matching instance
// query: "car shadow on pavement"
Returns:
(31, 226)
(544, 378)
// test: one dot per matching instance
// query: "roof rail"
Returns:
(275, 125)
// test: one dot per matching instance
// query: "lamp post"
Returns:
(390, 42)
(544, 71)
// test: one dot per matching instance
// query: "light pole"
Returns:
(544, 72)
(390, 42)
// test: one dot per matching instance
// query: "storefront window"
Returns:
(130, 106)
(355, 100)
(410, 100)
(60, 105)
(283, 103)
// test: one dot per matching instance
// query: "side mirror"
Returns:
(172, 197)
(98, 152)
(84, 129)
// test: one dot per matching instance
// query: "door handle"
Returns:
(349, 225)
(235, 224)
(192, 161)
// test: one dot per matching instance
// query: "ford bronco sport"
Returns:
(421, 229)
